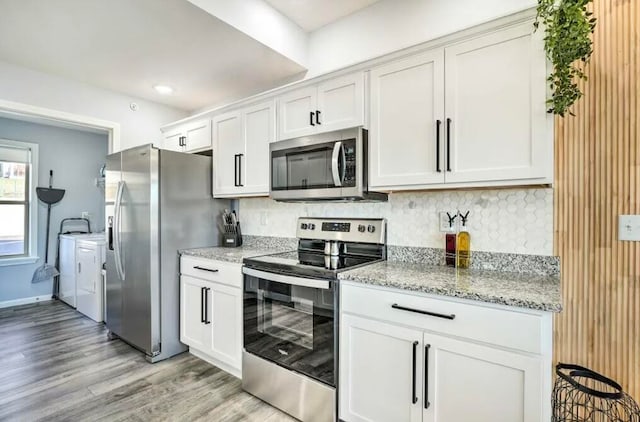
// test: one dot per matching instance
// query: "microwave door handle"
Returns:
(335, 165)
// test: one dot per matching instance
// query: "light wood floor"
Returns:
(57, 365)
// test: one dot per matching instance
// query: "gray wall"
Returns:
(75, 158)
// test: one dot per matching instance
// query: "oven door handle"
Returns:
(335, 164)
(286, 279)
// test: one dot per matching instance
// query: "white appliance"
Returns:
(90, 256)
(68, 283)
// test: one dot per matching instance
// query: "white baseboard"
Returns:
(24, 301)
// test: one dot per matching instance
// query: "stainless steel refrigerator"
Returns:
(157, 202)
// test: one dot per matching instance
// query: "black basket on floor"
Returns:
(582, 395)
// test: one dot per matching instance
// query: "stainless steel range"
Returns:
(290, 356)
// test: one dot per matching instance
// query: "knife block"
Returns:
(232, 236)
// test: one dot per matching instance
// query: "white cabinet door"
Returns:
(295, 113)
(173, 140)
(225, 312)
(340, 103)
(406, 136)
(378, 378)
(193, 331)
(470, 382)
(228, 144)
(259, 132)
(198, 135)
(495, 100)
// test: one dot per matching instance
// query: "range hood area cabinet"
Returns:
(471, 113)
(335, 104)
(241, 141)
(189, 137)
(473, 362)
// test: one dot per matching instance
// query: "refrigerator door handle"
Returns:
(117, 215)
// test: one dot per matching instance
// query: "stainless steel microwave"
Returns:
(325, 167)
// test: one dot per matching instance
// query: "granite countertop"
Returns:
(505, 288)
(235, 255)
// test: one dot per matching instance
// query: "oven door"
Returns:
(291, 321)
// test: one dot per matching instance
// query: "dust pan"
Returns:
(49, 196)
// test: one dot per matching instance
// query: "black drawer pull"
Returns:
(206, 269)
(418, 311)
(414, 398)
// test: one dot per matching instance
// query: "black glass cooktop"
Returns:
(305, 263)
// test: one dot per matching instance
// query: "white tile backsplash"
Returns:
(501, 220)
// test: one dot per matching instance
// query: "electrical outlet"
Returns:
(86, 214)
(629, 227)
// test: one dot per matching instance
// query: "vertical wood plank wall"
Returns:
(598, 177)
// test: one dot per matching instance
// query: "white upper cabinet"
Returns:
(189, 137)
(332, 105)
(407, 112)
(241, 151)
(296, 113)
(469, 114)
(495, 99)
(259, 132)
(227, 147)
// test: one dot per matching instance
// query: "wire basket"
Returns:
(582, 395)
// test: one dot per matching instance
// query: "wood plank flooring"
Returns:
(58, 365)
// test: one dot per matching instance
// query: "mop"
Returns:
(49, 196)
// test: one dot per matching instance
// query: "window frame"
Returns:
(31, 226)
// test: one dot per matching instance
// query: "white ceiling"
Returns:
(313, 14)
(129, 46)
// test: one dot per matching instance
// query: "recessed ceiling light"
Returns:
(163, 89)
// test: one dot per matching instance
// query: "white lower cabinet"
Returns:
(377, 373)
(193, 330)
(470, 382)
(211, 311)
(404, 371)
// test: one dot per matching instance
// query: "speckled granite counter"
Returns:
(504, 288)
(235, 255)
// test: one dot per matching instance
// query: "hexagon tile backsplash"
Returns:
(500, 220)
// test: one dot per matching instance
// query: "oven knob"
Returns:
(303, 226)
(312, 226)
(361, 228)
(371, 228)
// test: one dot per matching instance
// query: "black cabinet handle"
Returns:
(311, 113)
(448, 144)
(318, 117)
(211, 270)
(414, 398)
(419, 311)
(206, 305)
(202, 294)
(240, 169)
(438, 122)
(426, 376)
(235, 170)
(182, 141)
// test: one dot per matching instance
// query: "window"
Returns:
(18, 203)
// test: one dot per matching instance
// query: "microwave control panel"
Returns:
(349, 163)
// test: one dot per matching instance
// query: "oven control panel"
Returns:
(369, 230)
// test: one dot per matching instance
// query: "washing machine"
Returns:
(90, 256)
(67, 288)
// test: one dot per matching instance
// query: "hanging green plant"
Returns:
(568, 26)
